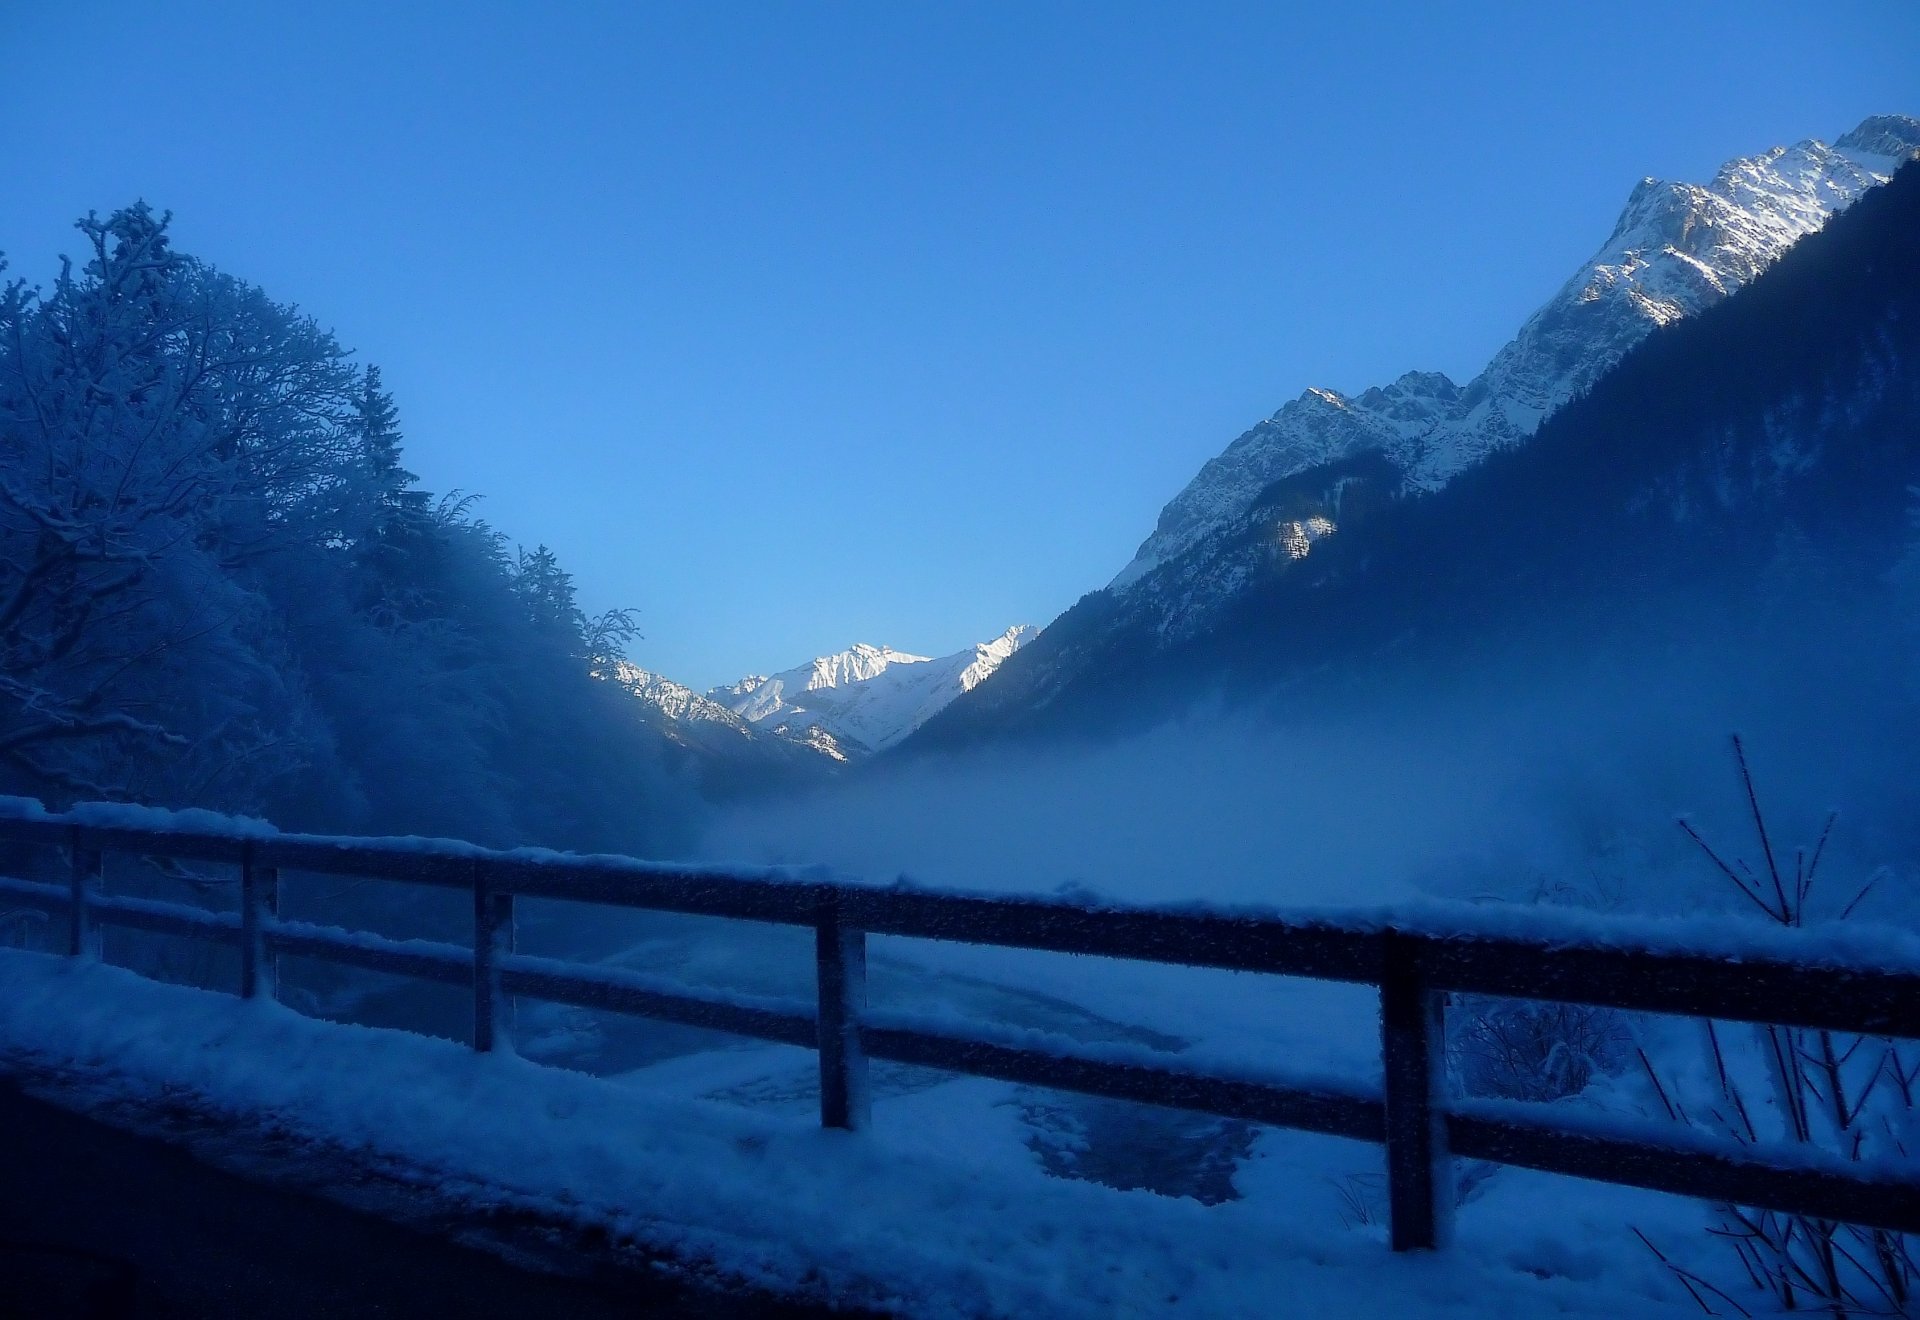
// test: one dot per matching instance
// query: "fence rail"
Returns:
(1421, 1128)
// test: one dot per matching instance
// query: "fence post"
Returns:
(1413, 1039)
(85, 874)
(841, 953)
(259, 903)
(492, 940)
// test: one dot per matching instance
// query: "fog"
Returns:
(1555, 776)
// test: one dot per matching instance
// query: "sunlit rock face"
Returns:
(1297, 535)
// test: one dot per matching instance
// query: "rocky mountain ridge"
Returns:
(1266, 526)
(867, 697)
(1675, 249)
(814, 720)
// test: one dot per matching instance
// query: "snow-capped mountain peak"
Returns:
(708, 729)
(857, 664)
(776, 698)
(674, 700)
(1676, 249)
(1881, 143)
(866, 697)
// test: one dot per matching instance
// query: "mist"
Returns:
(1548, 775)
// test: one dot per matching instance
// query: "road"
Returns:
(99, 1222)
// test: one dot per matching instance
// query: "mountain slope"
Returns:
(1676, 249)
(726, 753)
(1788, 414)
(1293, 487)
(759, 698)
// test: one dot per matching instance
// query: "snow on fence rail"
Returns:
(1785, 978)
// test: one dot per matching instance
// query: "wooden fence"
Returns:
(1414, 969)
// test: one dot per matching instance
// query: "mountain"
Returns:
(762, 697)
(1784, 410)
(726, 753)
(786, 730)
(866, 698)
(1676, 249)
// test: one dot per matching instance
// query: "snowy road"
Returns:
(100, 1222)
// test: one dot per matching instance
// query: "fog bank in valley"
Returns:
(1557, 777)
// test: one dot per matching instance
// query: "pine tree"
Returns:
(379, 425)
(546, 592)
(401, 533)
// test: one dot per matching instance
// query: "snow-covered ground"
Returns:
(943, 1208)
(967, 1196)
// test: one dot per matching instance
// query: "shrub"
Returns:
(1850, 1095)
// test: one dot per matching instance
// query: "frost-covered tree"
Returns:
(145, 453)
(221, 586)
(546, 591)
(378, 421)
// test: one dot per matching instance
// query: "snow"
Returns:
(945, 1206)
(131, 816)
(1853, 944)
(939, 1210)
(1214, 1063)
(1883, 1164)
(868, 696)
(196, 822)
(1297, 535)
(706, 725)
(612, 977)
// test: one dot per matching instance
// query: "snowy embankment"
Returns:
(939, 1210)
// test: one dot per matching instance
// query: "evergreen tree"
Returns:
(546, 592)
(402, 535)
(378, 421)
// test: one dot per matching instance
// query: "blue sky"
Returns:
(794, 325)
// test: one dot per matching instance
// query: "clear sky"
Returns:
(799, 324)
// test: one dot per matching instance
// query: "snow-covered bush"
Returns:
(1853, 1096)
(1523, 1049)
